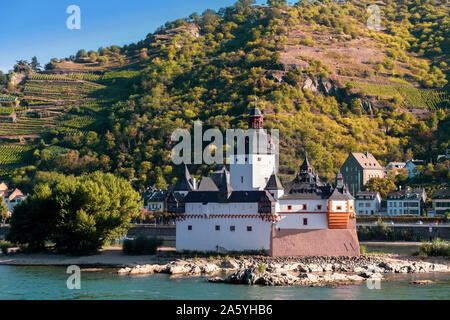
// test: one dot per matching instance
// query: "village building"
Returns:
(441, 201)
(246, 208)
(406, 202)
(358, 169)
(12, 197)
(155, 200)
(395, 165)
(411, 166)
(367, 203)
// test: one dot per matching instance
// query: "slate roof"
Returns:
(235, 196)
(207, 184)
(274, 183)
(184, 183)
(366, 160)
(406, 194)
(308, 186)
(362, 194)
(441, 194)
(255, 112)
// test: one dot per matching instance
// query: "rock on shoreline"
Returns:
(306, 271)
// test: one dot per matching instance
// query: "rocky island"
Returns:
(305, 271)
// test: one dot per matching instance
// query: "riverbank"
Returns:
(262, 270)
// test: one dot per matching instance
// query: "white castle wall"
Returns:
(297, 205)
(295, 221)
(204, 237)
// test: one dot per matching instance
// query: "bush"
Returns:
(362, 249)
(141, 245)
(262, 267)
(4, 246)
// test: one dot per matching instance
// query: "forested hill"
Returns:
(327, 81)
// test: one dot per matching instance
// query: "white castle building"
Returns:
(246, 208)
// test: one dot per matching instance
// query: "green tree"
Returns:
(382, 185)
(3, 210)
(78, 214)
(35, 65)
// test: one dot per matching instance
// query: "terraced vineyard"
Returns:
(15, 153)
(46, 104)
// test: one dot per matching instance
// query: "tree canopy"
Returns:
(77, 214)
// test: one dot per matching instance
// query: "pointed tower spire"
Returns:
(184, 182)
(255, 118)
(306, 167)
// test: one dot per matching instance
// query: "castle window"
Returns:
(189, 227)
(319, 207)
(217, 228)
(249, 228)
(304, 207)
(259, 159)
(232, 228)
(305, 221)
(339, 208)
(242, 179)
(289, 207)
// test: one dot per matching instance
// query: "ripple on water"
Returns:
(50, 283)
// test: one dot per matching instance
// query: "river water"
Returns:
(50, 283)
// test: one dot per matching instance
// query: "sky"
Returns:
(39, 27)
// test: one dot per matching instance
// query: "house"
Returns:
(360, 168)
(411, 167)
(441, 201)
(155, 200)
(12, 197)
(367, 203)
(246, 208)
(395, 165)
(406, 201)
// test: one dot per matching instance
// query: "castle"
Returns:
(246, 208)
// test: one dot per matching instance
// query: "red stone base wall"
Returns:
(323, 242)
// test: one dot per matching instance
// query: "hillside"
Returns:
(329, 83)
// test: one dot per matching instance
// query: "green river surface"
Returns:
(49, 283)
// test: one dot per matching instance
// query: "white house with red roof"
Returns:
(12, 197)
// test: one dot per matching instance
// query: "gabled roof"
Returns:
(184, 183)
(207, 184)
(366, 160)
(3, 186)
(274, 183)
(15, 194)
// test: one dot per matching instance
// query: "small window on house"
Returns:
(232, 228)
(242, 179)
(249, 228)
(304, 207)
(189, 227)
(217, 228)
(289, 207)
(338, 208)
(319, 207)
(305, 221)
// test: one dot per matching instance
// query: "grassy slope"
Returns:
(212, 73)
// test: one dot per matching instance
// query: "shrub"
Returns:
(262, 267)
(434, 249)
(4, 246)
(141, 245)
(362, 249)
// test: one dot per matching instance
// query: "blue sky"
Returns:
(38, 27)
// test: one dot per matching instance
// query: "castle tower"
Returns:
(252, 169)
